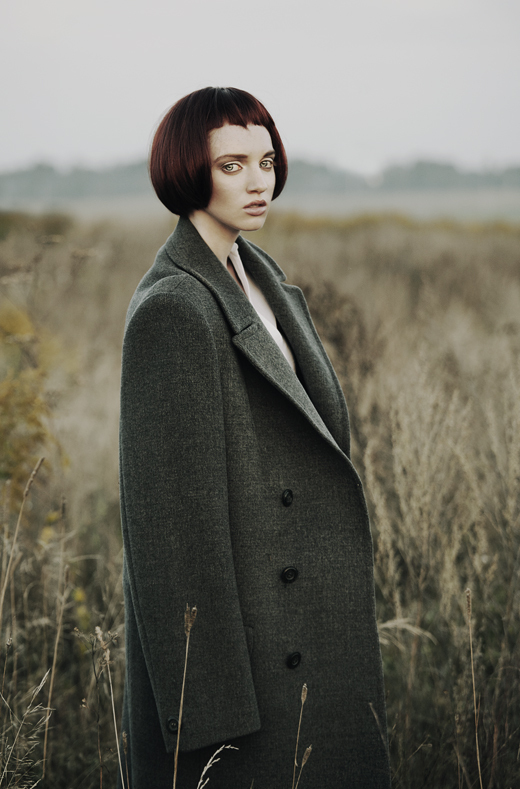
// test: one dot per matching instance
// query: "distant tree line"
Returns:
(44, 182)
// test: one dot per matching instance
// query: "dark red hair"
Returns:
(180, 163)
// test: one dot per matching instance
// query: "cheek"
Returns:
(221, 196)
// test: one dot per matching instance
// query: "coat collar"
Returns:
(324, 405)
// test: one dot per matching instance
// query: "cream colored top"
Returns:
(259, 302)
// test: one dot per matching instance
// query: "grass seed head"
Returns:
(306, 755)
(189, 618)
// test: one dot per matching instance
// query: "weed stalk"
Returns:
(303, 699)
(62, 583)
(15, 536)
(189, 619)
(468, 605)
(304, 762)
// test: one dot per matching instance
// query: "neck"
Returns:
(219, 238)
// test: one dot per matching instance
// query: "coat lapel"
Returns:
(292, 313)
(324, 409)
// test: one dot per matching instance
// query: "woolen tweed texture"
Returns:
(215, 426)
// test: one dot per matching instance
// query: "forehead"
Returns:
(250, 141)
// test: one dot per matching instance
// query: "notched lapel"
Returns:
(290, 308)
(260, 349)
(189, 252)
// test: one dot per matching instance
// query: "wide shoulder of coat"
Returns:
(187, 271)
(165, 278)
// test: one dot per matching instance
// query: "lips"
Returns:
(256, 208)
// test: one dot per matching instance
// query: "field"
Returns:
(422, 322)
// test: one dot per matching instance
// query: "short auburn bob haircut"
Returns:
(180, 162)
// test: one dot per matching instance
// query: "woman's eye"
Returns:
(231, 167)
(267, 164)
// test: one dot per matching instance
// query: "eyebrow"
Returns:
(241, 156)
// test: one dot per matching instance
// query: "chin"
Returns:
(256, 223)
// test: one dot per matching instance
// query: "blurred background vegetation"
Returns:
(422, 322)
(420, 188)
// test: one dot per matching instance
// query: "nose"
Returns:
(257, 182)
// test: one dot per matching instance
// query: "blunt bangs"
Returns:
(180, 163)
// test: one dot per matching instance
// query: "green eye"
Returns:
(267, 164)
(231, 167)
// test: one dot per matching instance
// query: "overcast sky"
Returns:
(357, 83)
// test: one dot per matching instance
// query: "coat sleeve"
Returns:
(176, 524)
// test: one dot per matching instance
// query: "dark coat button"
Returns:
(289, 574)
(173, 725)
(294, 660)
(287, 498)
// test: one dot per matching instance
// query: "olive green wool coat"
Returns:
(238, 496)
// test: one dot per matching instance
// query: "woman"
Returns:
(237, 491)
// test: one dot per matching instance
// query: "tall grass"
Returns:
(422, 321)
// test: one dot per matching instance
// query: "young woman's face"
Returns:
(242, 170)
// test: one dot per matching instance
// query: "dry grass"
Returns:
(303, 700)
(189, 620)
(422, 321)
